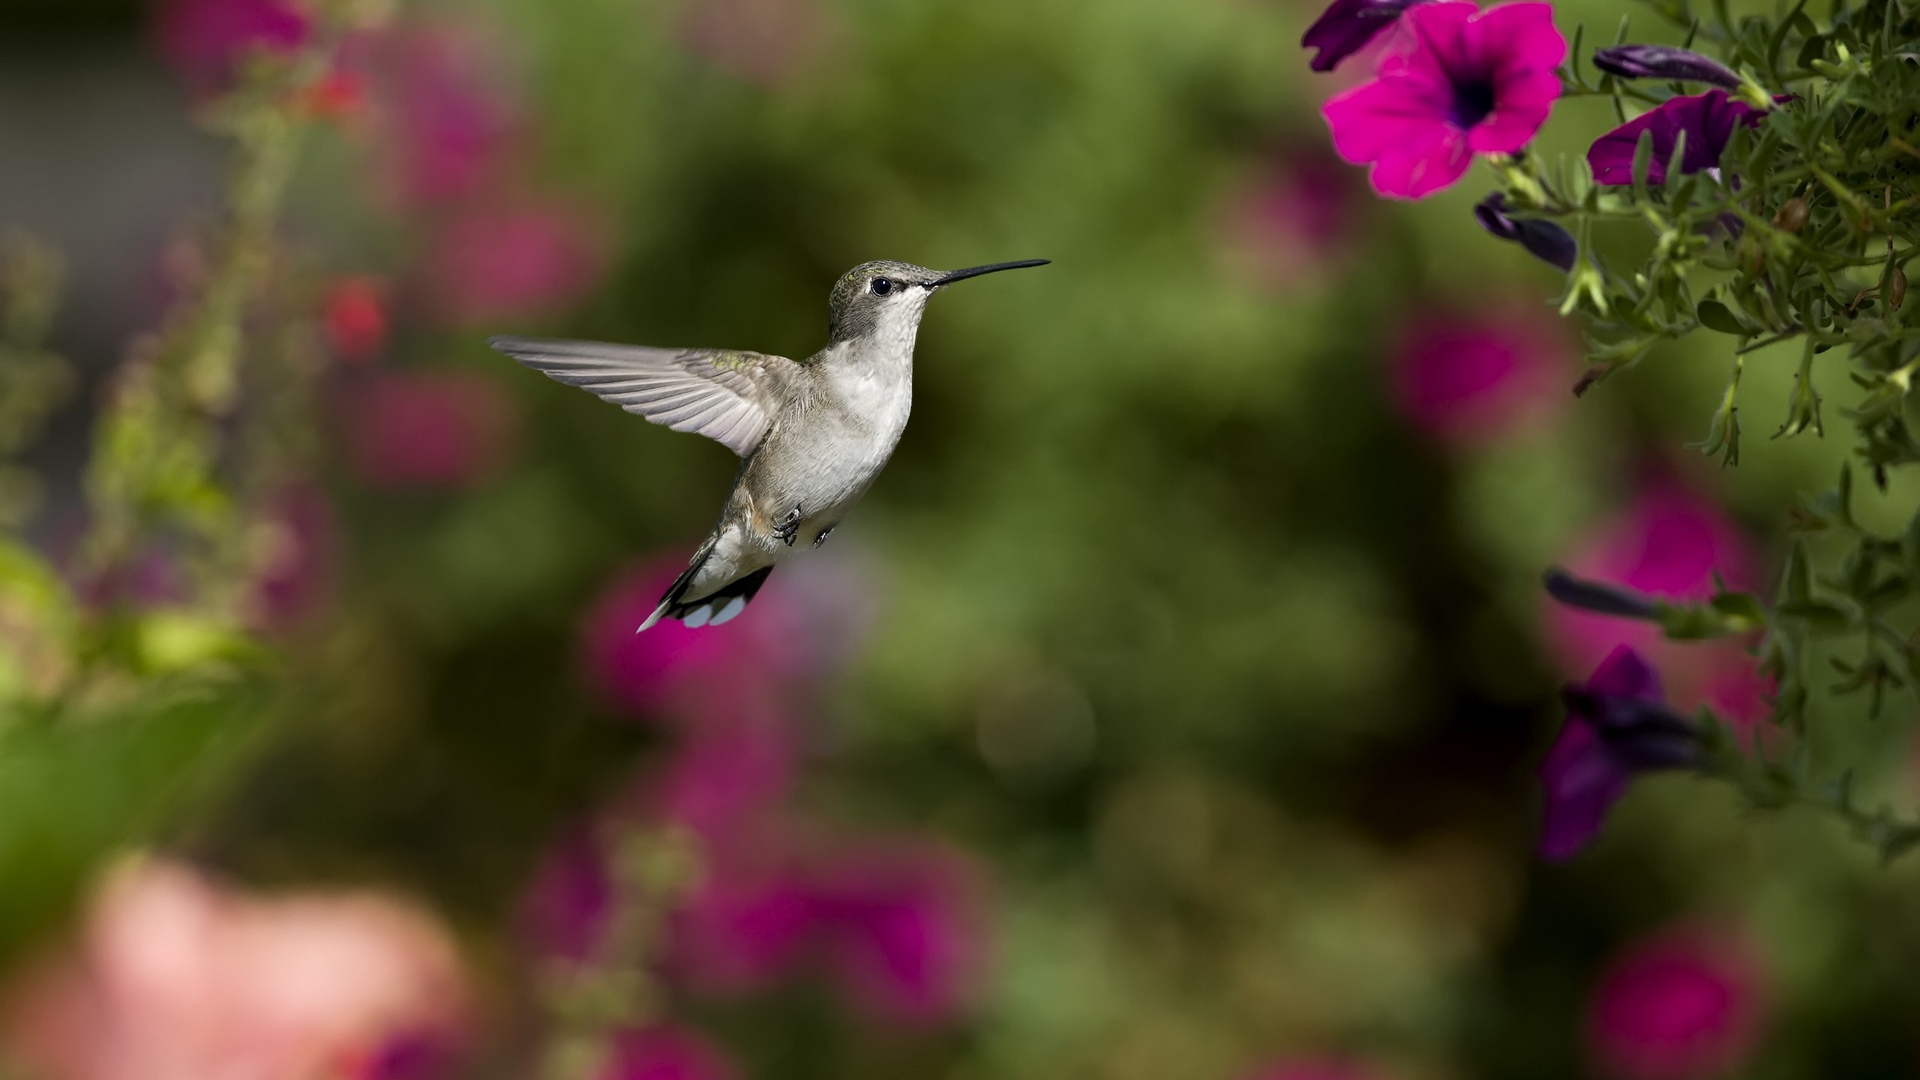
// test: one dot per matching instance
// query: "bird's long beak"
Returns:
(990, 268)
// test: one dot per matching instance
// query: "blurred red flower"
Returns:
(1669, 543)
(178, 978)
(667, 1053)
(354, 319)
(512, 259)
(1683, 1005)
(1480, 377)
(427, 428)
(204, 41)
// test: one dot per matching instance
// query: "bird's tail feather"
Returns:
(719, 606)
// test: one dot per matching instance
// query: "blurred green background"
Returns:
(1219, 650)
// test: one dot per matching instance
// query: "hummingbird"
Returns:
(811, 434)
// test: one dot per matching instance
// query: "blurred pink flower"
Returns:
(1668, 543)
(205, 40)
(766, 42)
(1291, 222)
(353, 318)
(493, 261)
(565, 909)
(295, 561)
(1481, 377)
(445, 118)
(428, 428)
(902, 929)
(711, 670)
(750, 922)
(667, 1053)
(177, 978)
(725, 770)
(1684, 1005)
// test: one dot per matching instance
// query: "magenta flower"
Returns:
(1456, 82)
(564, 911)
(446, 118)
(751, 923)
(667, 1053)
(204, 41)
(1541, 239)
(694, 674)
(902, 933)
(726, 771)
(510, 260)
(1481, 378)
(1618, 727)
(428, 429)
(1668, 544)
(1346, 27)
(1683, 1005)
(1707, 119)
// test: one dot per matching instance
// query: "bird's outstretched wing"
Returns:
(728, 396)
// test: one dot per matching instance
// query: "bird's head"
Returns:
(886, 299)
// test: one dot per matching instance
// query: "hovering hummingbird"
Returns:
(812, 435)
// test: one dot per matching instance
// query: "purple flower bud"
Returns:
(1618, 727)
(1347, 26)
(1663, 62)
(1599, 597)
(1543, 239)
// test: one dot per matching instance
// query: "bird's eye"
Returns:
(882, 286)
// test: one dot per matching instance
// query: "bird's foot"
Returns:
(788, 527)
(824, 533)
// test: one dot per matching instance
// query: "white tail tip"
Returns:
(653, 618)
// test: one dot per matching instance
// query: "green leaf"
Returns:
(1715, 315)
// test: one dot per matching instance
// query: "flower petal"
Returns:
(1522, 102)
(1517, 37)
(1432, 46)
(1624, 674)
(1421, 170)
(1582, 782)
(1381, 117)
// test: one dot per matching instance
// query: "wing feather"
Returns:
(728, 396)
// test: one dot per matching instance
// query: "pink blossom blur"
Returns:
(445, 117)
(1453, 81)
(419, 429)
(1481, 377)
(204, 41)
(766, 42)
(667, 1053)
(509, 259)
(670, 665)
(176, 977)
(294, 565)
(901, 929)
(1290, 223)
(1684, 1005)
(1669, 543)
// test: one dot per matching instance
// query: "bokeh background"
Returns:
(1169, 708)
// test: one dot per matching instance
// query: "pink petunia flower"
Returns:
(1683, 1005)
(178, 978)
(511, 259)
(428, 429)
(1669, 543)
(752, 922)
(902, 932)
(666, 1053)
(1707, 120)
(1455, 81)
(204, 41)
(1482, 377)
